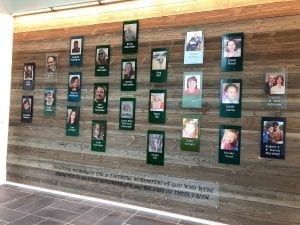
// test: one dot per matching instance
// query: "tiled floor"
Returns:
(22, 206)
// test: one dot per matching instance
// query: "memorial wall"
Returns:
(81, 121)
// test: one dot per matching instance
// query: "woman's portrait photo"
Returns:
(72, 116)
(128, 70)
(127, 109)
(49, 97)
(192, 85)
(74, 83)
(190, 128)
(26, 105)
(232, 47)
(229, 140)
(157, 102)
(102, 57)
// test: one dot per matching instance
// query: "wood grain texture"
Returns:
(259, 191)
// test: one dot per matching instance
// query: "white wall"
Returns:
(6, 35)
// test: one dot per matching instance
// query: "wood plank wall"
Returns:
(259, 191)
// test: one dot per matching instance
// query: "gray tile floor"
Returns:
(22, 206)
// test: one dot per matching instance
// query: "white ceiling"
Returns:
(13, 6)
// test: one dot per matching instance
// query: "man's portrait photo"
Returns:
(76, 46)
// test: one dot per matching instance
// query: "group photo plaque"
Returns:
(102, 60)
(276, 81)
(159, 65)
(232, 52)
(193, 47)
(130, 37)
(273, 137)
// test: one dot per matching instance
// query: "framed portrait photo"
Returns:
(229, 144)
(100, 101)
(155, 147)
(49, 101)
(273, 137)
(102, 56)
(127, 114)
(27, 109)
(275, 88)
(194, 47)
(159, 65)
(232, 52)
(190, 133)
(76, 50)
(74, 86)
(72, 120)
(128, 74)
(130, 37)
(98, 139)
(230, 97)
(28, 76)
(157, 106)
(52, 65)
(192, 89)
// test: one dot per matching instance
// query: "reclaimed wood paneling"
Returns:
(259, 191)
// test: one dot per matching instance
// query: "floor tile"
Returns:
(117, 208)
(27, 220)
(114, 218)
(71, 206)
(138, 220)
(10, 194)
(57, 214)
(19, 202)
(91, 217)
(38, 205)
(9, 215)
(50, 222)
(167, 219)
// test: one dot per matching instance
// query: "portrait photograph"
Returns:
(28, 76)
(192, 84)
(27, 109)
(72, 120)
(232, 47)
(229, 144)
(155, 147)
(130, 37)
(159, 60)
(190, 127)
(193, 47)
(230, 93)
(98, 139)
(157, 102)
(129, 69)
(100, 98)
(52, 64)
(98, 131)
(229, 140)
(102, 56)
(74, 86)
(127, 109)
(75, 46)
(273, 133)
(275, 83)
(232, 52)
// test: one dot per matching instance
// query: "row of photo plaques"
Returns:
(272, 130)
